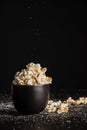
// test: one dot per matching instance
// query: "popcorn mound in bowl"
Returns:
(33, 74)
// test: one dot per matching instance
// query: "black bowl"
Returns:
(30, 99)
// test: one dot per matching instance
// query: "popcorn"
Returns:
(59, 103)
(85, 100)
(63, 106)
(71, 101)
(33, 74)
(62, 110)
(82, 100)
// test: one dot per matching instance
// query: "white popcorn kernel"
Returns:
(63, 105)
(81, 99)
(77, 102)
(59, 103)
(53, 109)
(85, 102)
(50, 101)
(55, 104)
(52, 105)
(63, 110)
(38, 66)
(71, 101)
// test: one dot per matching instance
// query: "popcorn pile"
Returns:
(33, 74)
(63, 107)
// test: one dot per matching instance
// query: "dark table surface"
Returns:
(76, 118)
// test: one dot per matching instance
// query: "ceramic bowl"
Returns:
(30, 99)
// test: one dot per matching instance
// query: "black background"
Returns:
(51, 33)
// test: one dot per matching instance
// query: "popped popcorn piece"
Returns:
(53, 109)
(71, 101)
(63, 110)
(85, 100)
(50, 101)
(59, 103)
(33, 74)
(63, 105)
(82, 100)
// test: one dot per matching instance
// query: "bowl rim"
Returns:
(16, 85)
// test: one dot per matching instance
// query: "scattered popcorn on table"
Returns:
(33, 74)
(63, 106)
